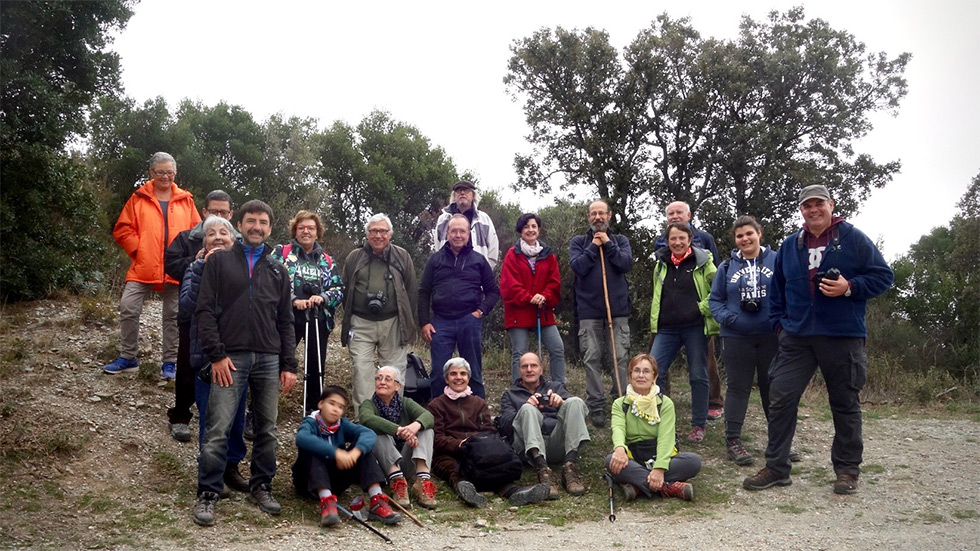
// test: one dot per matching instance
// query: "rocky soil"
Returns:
(86, 462)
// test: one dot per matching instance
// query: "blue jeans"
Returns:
(666, 345)
(260, 374)
(550, 339)
(236, 440)
(466, 335)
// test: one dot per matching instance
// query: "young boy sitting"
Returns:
(334, 452)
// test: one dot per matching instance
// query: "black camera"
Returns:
(309, 289)
(751, 305)
(832, 274)
(376, 301)
(544, 400)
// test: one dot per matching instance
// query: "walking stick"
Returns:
(319, 361)
(306, 363)
(362, 523)
(540, 357)
(407, 513)
(612, 335)
(612, 510)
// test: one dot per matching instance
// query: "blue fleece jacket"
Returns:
(743, 279)
(801, 314)
(583, 257)
(349, 435)
(454, 285)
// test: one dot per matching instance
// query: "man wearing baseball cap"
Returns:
(824, 275)
(483, 235)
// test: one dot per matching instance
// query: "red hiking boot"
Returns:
(381, 511)
(328, 511)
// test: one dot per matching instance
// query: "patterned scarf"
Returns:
(531, 252)
(644, 407)
(325, 429)
(453, 395)
(677, 260)
(391, 412)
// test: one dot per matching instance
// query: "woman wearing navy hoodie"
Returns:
(739, 301)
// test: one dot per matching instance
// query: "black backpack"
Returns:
(489, 462)
(417, 380)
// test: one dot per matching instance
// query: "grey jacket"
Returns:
(403, 279)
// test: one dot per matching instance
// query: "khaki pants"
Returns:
(130, 308)
(373, 344)
(568, 434)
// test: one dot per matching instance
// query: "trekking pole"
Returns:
(362, 523)
(306, 362)
(319, 362)
(609, 320)
(540, 357)
(612, 510)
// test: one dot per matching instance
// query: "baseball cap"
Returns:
(809, 192)
(463, 184)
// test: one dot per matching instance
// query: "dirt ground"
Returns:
(86, 462)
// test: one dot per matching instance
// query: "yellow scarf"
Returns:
(644, 407)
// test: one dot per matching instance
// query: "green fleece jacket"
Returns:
(704, 274)
(628, 429)
(368, 416)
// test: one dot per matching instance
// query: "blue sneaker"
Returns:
(122, 365)
(169, 371)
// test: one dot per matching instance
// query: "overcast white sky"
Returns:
(439, 66)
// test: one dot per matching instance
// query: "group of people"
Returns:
(235, 309)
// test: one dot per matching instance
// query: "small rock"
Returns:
(481, 523)
(94, 399)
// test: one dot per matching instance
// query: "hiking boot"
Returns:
(399, 491)
(696, 436)
(381, 511)
(424, 492)
(795, 456)
(545, 476)
(234, 479)
(598, 419)
(248, 431)
(168, 371)
(204, 510)
(630, 492)
(123, 365)
(715, 413)
(467, 492)
(180, 432)
(681, 490)
(525, 495)
(328, 512)
(846, 484)
(262, 495)
(765, 478)
(225, 492)
(571, 479)
(737, 453)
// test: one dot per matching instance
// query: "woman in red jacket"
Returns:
(530, 285)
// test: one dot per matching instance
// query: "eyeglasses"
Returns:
(163, 173)
(378, 232)
(385, 378)
(642, 372)
(221, 213)
(306, 228)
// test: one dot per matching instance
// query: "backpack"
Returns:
(489, 462)
(417, 382)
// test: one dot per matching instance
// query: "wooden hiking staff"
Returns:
(414, 518)
(612, 334)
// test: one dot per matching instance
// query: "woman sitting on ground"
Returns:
(644, 458)
(404, 430)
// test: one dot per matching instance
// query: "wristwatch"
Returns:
(847, 293)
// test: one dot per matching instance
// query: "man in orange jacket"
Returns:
(150, 220)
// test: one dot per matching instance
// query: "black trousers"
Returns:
(314, 342)
(184, 384)
(313, 472)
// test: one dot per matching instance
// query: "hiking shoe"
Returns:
(180, 432)
(225, 492)
(424, 492)
(846, 484)
(545, 476)
(122, 365)
(765, 478)
(262, 495)
(168, 371)
(715, 413)
(467, 492)
(248, 431)
(598, 419)
(328, 512)
(795, 456)
(234, 479)
(696, 436)
(737, 453)
(571, 479)
(399, 491)
(680, 490)
(204, 510)
(525, 495)
(630, 492)
(381, 511)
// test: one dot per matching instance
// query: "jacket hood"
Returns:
(545, 249)
(700, 255)
(176, 193)
(764, 251)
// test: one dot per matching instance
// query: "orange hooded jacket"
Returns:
(139, 231)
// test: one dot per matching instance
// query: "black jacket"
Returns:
(236, 313)
(456, 285)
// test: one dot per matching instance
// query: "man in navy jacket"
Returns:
(824, 276)
(457, 289)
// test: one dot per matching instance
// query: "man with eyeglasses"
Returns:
(483, 235)
(151, 219)
(380, 302)
(187, 247)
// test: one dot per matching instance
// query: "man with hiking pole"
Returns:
(601, 261)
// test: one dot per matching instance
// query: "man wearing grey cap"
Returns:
(824, 275)
(483, 235)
